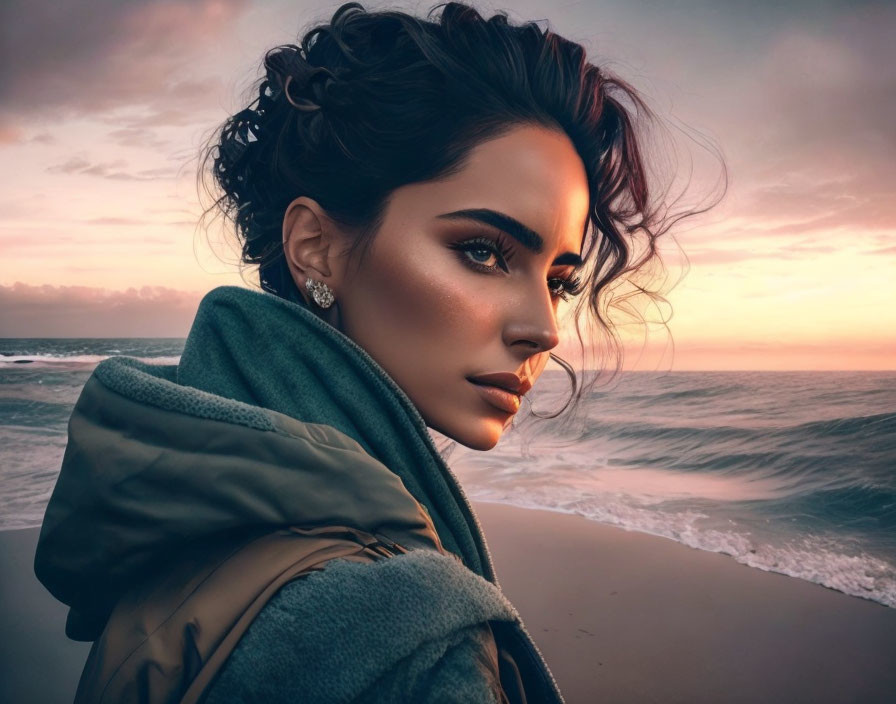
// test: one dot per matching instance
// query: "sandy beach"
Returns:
(628, 617)
(620, 617)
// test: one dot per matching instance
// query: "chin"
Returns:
(481, 434)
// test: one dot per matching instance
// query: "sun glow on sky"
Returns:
(795, 269)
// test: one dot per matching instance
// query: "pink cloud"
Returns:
(89, 57)
(113, 170)
(10, 135)
(82, 311)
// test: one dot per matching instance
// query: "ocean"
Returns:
(791, 472)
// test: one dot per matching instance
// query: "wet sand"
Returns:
(627, 617)
(620, 617)
(38, 664)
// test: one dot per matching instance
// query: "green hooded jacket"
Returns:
(220, 528)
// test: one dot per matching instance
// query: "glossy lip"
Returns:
(503, 390)
(503, 380)
(503, 400)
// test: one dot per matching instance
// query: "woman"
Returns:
(269, 520)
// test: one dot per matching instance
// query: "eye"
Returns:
(564, 287)
(483, 254)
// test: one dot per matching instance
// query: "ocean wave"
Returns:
(880, 425)
(635, 430)
(812, 558)
(76, 359)
(679, 395)
(47, 416)
(853, 505)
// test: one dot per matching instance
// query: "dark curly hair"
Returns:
(372, 101)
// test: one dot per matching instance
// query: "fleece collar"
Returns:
(269, 352)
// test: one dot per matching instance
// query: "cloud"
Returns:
(112, 170)
(43, 138)
(814, 129)
(72, 166)
(712, 257)
(137, 137)
(82, 311)
(788, 250)
(883, 250)
(10, 135)
(825, 203)
(834, 88)
(69, 57)
(800, 97)
(116, 221)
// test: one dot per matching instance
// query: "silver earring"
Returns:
(320, 292)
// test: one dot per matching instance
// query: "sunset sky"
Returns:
(104, 104)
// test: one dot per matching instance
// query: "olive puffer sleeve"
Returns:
(408, 628)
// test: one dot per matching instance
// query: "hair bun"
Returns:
(306, 87)
(304, 103)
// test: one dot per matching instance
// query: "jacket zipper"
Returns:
(390, 545)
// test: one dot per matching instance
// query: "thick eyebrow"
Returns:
(513, 227)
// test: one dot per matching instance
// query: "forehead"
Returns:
(533, 174)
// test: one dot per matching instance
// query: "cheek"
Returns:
(427, 301)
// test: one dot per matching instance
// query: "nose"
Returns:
(532, 326)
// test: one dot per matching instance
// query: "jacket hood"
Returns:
(271, 418)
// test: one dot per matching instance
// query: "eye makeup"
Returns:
(495, 246)
(569, 287)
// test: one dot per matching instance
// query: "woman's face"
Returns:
(464, 278)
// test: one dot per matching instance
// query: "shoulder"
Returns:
(331, 634)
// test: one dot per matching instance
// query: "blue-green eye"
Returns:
(483, 253)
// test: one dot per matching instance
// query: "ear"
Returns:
(309, 244)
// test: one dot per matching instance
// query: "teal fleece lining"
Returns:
(264, 351)
(350, 624)
(155, 384)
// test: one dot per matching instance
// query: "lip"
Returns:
(500, 398)
(503, 390)
(503, 380)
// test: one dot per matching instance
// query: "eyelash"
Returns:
(570, 286)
